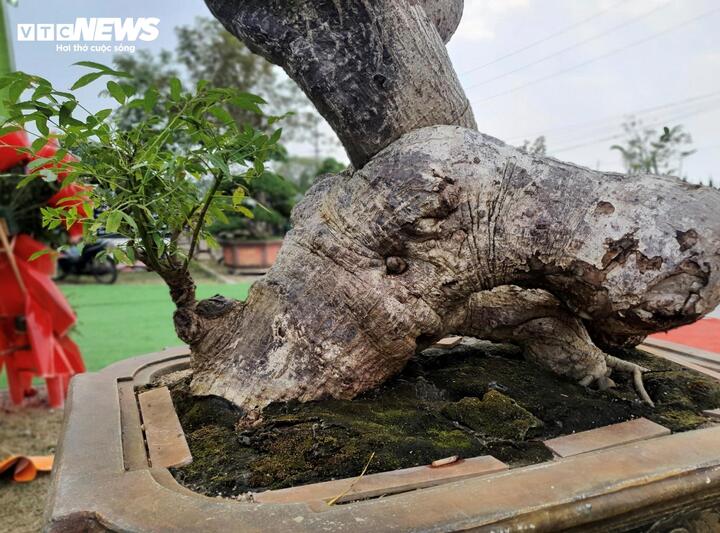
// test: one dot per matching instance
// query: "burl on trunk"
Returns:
(439, 229)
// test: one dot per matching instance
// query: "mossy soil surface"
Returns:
(475, 399)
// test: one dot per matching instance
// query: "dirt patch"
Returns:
(32, 429)
(473, 400)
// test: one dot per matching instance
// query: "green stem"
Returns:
(7, 63)
(201, 218)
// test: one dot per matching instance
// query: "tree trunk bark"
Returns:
(439, 229)
(374, 69)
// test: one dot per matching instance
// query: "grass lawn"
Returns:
(129, 318)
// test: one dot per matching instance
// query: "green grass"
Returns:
(127, 319)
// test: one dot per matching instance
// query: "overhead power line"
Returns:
(646, 120)
(572, 47)
(602, 56)
(576, 125)
(619, 135)
(545, 39)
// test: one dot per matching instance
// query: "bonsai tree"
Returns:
(435, 229)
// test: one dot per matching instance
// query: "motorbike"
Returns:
(88, 262)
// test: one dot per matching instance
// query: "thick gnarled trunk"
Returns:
(389, 258)
(440, 229)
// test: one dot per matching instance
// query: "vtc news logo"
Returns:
(92, 29)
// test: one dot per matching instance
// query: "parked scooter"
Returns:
(87, 262)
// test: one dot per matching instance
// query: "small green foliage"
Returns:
(167, 175)
(649, 151)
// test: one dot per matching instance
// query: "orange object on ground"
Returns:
(26, 467)
(703, 334)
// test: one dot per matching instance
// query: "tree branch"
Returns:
(201, 218)
(375, 70)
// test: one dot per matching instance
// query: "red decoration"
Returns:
(35, 316)
(9, 155)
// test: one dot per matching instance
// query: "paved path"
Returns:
(704, 334)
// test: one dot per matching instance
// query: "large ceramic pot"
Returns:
(111, 473)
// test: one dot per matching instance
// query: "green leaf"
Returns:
(101, 115)
(40, 161)
(159, 244)
(104, 69)
(65, 117)
(276, 136)
(151, 98)
(128, 89)
(248, 101)
(92, 64)
(16, 89)
(221, 114)
(245, 211)
(130, 221)
(27, 179)
(113, 221)
(36, 145)
(86, 79)
(41, 91)
(9, 129)
(130, 252)
(211, 242)
(238, 196)
(219, 163)
(39, 253)
(175, 88)
(41, 125)
(116, 91)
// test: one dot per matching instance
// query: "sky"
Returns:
(571, 70)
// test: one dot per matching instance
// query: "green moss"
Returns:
(495, 415)
(453, 439)
(681, 420)
(469, 401)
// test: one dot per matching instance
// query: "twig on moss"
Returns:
(352, 485)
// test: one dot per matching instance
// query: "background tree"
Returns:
(271, 198)
(329, 165)
(536, 147)
(650, 151)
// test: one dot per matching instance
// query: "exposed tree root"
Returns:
(620, 365)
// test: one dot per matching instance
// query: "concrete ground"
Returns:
(29, 430)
